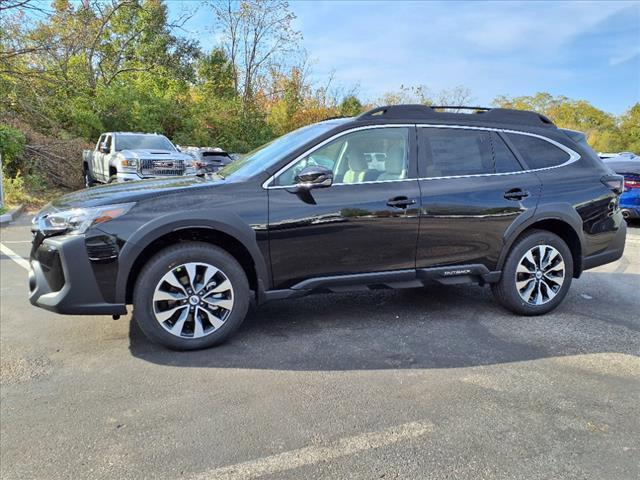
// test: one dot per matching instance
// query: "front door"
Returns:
(366, 221)
(473, 188)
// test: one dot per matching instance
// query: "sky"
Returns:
(583, 50)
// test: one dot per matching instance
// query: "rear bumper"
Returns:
(630, 204)
(612, 253)
(61, 279)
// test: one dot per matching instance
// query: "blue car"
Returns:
(628, 165)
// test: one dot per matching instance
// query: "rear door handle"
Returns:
(516, 194)
(400, 202)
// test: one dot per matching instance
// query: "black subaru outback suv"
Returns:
(394, 198)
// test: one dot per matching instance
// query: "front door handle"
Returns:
(516, 194)
(400, 202)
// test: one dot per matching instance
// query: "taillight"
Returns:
(614, 183)
(629, 184)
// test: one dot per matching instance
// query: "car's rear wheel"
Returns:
(191, 296)
(536, 275)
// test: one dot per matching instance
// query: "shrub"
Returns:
(15, 192)
(12, 143)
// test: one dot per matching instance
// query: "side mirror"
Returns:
(314, 177)
(104, 148)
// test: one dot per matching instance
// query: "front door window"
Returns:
(370, 155)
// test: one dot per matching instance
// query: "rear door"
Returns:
(366, 222)
(473, 188)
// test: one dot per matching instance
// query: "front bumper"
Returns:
(128, 177)
(61, 279)
(132, 177)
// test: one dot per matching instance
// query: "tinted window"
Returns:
(378, 154)
(269, 154)
(538, 153)
(504, 159)
(452, 152)
(134, 142)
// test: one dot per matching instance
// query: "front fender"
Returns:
(228, 223)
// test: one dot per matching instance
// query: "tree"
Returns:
(421, 94)
(215, 74)
(630, 129)
(603, 133)
(350, 106)
(258, 36)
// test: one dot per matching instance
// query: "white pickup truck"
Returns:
(125, 156)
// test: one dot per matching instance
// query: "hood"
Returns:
(133, 191)
(154, 154)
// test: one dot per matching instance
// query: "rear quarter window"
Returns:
(538, 153)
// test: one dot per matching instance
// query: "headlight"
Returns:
(129, 164)
(76, 221)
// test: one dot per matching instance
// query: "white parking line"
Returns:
(316, 454)
(15, 257)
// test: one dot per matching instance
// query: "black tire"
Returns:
(113, 179)
(506, 291)
(164, 262)
(89, 181)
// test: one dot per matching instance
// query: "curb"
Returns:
(11, 215)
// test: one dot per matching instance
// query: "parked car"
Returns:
(500, 197)
(627, 164)
(125, 156)
(207, 159)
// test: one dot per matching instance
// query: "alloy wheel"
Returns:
(540, 275)
(193, 300)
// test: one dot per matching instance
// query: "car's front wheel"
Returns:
(191, 296)
(88, 179)
(536, 275)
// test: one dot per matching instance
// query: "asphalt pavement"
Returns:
(438, 382)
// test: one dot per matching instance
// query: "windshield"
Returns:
(267, 155)
(143, 142)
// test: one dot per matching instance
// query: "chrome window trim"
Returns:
(573, 155)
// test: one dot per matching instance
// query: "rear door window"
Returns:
(450, 152)
(538, 153)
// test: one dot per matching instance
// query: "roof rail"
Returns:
(424, 112)
(458, 107)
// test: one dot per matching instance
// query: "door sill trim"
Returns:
(394, 279)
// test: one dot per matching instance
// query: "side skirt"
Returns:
(396, 279)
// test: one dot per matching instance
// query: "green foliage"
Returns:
(604, 132)
(15, 192)
(630, 129)
(102, 65)
(12, 142)
(350, 106)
